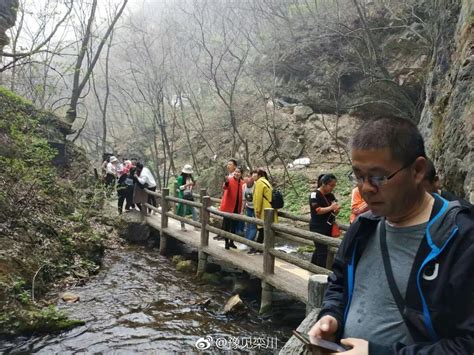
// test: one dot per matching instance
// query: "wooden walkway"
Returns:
(287, 277)
(275, 268)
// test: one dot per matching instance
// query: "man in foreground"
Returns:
(402, 278)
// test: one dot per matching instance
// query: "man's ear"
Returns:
(419, 167)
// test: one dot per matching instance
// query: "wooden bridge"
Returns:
(275, 268)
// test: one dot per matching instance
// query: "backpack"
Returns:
(277, 198)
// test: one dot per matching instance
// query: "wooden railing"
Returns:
(271, 230)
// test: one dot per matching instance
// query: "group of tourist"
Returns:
(130, 178)
(248, 195)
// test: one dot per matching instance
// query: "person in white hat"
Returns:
(185, 183)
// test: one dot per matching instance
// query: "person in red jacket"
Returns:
(232, 202)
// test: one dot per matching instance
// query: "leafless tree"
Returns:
(223, 64)
(103, 105)
(80, 81)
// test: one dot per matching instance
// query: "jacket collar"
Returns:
(441, 223)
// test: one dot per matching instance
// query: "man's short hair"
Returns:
(399, 135)
(139, 166)
(233, 161)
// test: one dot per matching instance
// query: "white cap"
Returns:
(188, 169)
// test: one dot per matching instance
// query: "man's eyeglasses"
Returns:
(376, 181)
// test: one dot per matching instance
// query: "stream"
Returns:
(138, 302)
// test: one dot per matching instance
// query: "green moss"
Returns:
(36, 320)
(44, 241)
(343, 192)
(177, 259)
(13, 99)
(185, 266)
(297, 197)
(213, 279)
(306, 249)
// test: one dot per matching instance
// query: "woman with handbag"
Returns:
(185, 184)
(324, 208)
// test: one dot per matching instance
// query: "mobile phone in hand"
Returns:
(320, 344)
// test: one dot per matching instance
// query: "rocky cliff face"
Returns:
(448, 117)
(7, 19)
(339, 68)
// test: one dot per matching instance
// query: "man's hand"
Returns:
(325, 328)
(359, 346)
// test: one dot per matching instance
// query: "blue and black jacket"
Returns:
(439, 301)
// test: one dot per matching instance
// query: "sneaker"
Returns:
(252, 251)
(243, 247)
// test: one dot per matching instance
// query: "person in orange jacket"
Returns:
(231, 202)
(358, 205)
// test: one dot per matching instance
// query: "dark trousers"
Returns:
(129, 198)
(228, 225)
(260, 235)
(125, 196)
(121, 200)
(320, 254)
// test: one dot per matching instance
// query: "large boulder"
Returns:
(133, 228)
(291, 148)
(301, 112)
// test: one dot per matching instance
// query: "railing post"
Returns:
(164, 219)
(268, 260)
(267, 296)
(316, 288)
(268, 242)
(175, 194)
(204, 219)
(202, 193)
